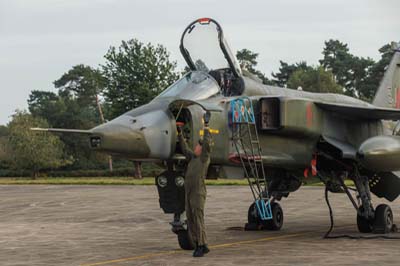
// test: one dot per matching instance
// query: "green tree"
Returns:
(135, 73)
(286, 70)
(314, 80)
(74, 106)
(351, 72)
(3, 131)
(337, 59)
(248, 62)
(31, 150)
(3, 146)
(82, 83)
(47, 105)
(360, 71)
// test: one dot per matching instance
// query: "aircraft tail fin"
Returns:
(388, 93)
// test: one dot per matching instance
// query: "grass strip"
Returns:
(118, 181)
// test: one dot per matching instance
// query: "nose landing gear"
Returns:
(184, 240)
(254, 221)
(171, 191)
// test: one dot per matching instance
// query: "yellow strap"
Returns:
(212, 131)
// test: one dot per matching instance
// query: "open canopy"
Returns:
(204, 47)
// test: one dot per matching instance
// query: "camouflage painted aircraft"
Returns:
(263, 133)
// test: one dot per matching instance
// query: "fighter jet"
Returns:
(275, 137)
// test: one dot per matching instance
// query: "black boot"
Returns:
(206, 249)
(198, 251)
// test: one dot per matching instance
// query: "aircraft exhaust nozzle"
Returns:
(380, 153)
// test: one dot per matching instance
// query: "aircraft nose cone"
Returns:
(147, 136)
(116, 138)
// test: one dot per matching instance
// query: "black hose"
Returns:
(328, 236)
(330, 213)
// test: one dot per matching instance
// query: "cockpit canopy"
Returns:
(214, 67)
(205, 49)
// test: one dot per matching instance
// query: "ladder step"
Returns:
(254, 179)
(259, 182)
(244, 123)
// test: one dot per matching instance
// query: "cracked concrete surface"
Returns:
(123, 225)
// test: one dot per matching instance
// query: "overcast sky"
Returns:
(42, 39)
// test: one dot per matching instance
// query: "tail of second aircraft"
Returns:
(388, 93)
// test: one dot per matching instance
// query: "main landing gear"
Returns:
(377, 220)
(382, 223)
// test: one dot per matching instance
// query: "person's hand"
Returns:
(207, 117)
(179, 126)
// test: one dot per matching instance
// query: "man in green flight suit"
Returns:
(195, 188)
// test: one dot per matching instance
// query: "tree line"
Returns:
(132, 75)
(338, 71)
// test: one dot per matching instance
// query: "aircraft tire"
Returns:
(364, 225)
(184, 240)
(276, 223)
(383, 222)
(252, 217)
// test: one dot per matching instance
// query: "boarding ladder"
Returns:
(248, 153)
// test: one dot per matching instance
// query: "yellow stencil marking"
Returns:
(212, 131)
(226, 245)
(150, 255)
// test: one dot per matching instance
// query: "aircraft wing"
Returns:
(363, 112)
(62, 130)
(207, 106)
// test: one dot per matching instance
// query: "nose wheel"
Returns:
(184, 240)
(256, 223)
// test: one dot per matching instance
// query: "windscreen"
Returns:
(194, 85)
(201, 41)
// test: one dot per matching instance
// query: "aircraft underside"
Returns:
(268, 181)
